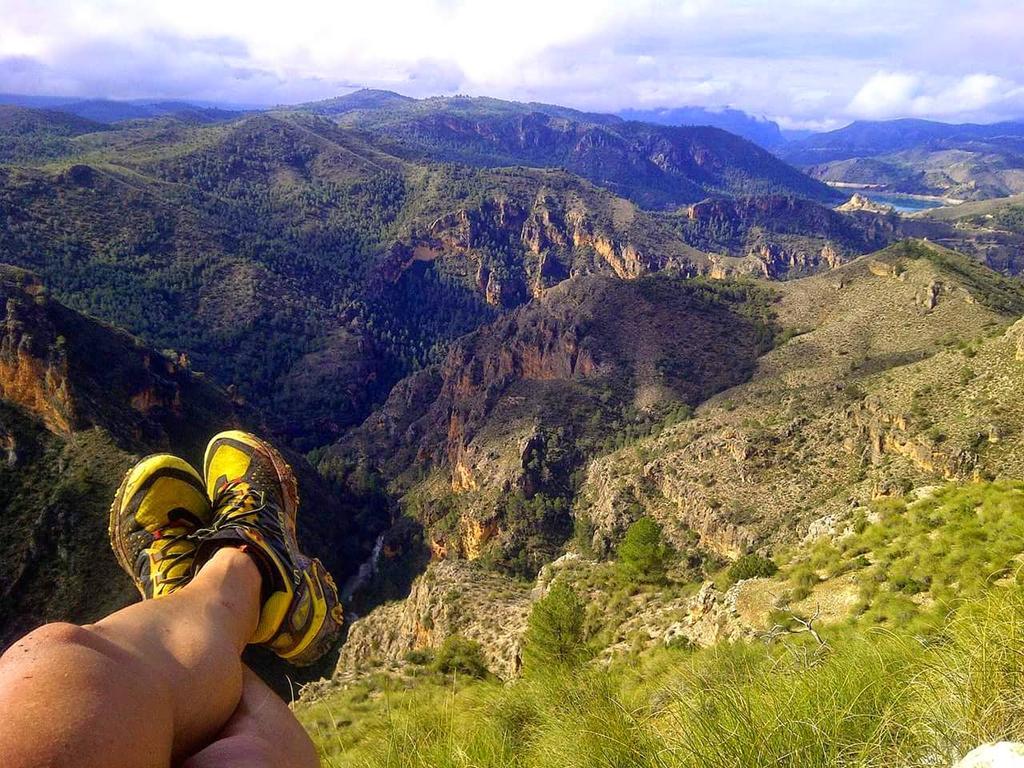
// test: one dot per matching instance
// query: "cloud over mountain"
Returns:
(802, 62)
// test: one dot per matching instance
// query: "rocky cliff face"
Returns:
(532, 232)
(854, 407)
(33, 365)
(73, 373)
(482, 450)
(783, 237)
(859, 202)
(449, 598)
(523, 240)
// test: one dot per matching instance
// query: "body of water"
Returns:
(902, 203)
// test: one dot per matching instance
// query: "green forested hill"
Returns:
(308, 266)
(656, 166)
(26, 134)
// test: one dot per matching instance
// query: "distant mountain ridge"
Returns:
(879, 137)
(967, 161)
(115, 111)
(760, 130)
(655, 166)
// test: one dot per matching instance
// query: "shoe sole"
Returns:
(332, 623)
(117, 541)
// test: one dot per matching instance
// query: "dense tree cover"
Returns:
(250, 247)
(752, 566)
(31, 133)
(656, 166)
(265, 250)
(1011, 217)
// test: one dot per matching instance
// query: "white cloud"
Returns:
(902, 94)
(885, 94)
(803, 61)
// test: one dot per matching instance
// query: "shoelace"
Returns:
(175, 558)
(236, 509)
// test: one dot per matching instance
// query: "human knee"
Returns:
(49, 638)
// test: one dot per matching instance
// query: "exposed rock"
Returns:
(451, 597)
(805, 440)
(781, 237)
(1015, 333)
(1004, 754)
(482, 422)
(553, 235)
(861, 203)
(33, 357)
(712, 617)
(929, 296)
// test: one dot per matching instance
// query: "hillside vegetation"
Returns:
(847, 695)
(656, 166)
(625, 416)
(310, 265)
(80, 402)
(896, 371)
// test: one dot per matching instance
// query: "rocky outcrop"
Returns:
(1003, 754)
(72, 372)
(859, 202)
(1015, 334)
(512, 412)
(780, 237)
(450, 598)
(856, 409)
(33, 357)
(553, 236)
(776, 261)
(711, 617)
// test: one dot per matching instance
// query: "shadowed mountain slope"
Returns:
(484, 448)
(80, 401)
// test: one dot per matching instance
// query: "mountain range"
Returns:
(493, 337)
(968, 161)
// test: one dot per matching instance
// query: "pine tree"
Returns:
(554, 634)
(643, 553)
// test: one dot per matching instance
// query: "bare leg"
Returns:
(263, 733)
(149, 684)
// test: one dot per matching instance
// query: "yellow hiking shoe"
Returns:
(161, 502)
(255, 499)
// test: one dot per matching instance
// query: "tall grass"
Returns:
(868, 697)
(920, 559)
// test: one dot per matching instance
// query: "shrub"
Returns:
(419, 656)
(752, 566)
(643, 553)
(461, 655)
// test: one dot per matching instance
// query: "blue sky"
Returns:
(806, 64)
